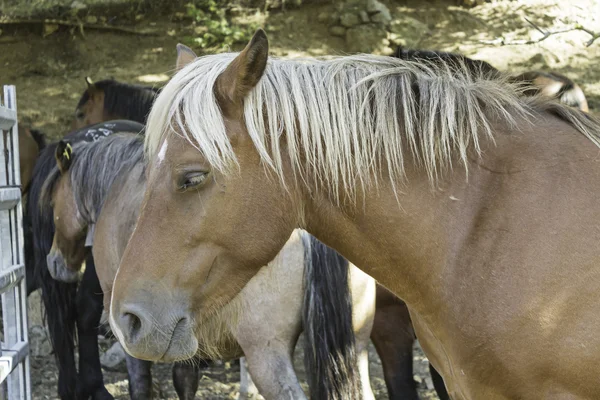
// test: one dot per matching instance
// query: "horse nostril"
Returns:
(132, 324)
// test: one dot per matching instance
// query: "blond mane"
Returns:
(351, 119)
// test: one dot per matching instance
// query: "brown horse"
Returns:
(108, 100)
(554, 86)
(549, 84)
(473, 203)
(31, 142)
(98, 188)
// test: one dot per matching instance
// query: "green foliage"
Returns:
(214, 28)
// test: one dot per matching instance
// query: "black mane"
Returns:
(39, 137)
(124, 100)
(458, 61)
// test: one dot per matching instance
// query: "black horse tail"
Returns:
(59, 298)
(330, 354)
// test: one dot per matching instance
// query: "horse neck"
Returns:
(399, 237)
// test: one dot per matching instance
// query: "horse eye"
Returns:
(79, 115)
(192, 179)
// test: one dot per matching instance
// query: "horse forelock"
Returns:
(350, 118)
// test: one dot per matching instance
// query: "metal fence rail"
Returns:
(14, 359)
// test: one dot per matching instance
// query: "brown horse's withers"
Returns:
(475, 205)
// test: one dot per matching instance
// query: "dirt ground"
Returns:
(219, 381)
(49, 74)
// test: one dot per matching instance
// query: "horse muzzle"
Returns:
(154, 329)
(58, 269)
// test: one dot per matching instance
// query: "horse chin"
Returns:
(60, 272)
(65, 275)
(181, 348)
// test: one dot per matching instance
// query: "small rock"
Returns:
(408, 31)
(49, 29)
(178, 16)
(364, 17)
(334, 17)
(323, 17)
(388, 51)
(374, 6)
(538, 61)
(379, 12)
(337, 30)
(77, 5)
(38, 341)
(90, 19)
(429, 383)
(381, 18)
(113, 357)
(200, 30)
(365, 39)
(349, 20)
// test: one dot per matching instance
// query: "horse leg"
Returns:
(185, 379)
(140, 378)
(89, 310)
(273, 372)
(393, 337)
(363, 370)
(364, 315)
(438, 384)
(247, 387)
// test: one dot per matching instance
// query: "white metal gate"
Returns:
(14, 361)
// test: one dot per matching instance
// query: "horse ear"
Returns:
(91, 87)
(64, 156)
(89, 83)
(185, 55)
(245, 71)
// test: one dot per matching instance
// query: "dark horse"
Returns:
(108, 100)
(554, 85)
(453, 60)
(64, 304)
(547, 84)
(31, 142)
